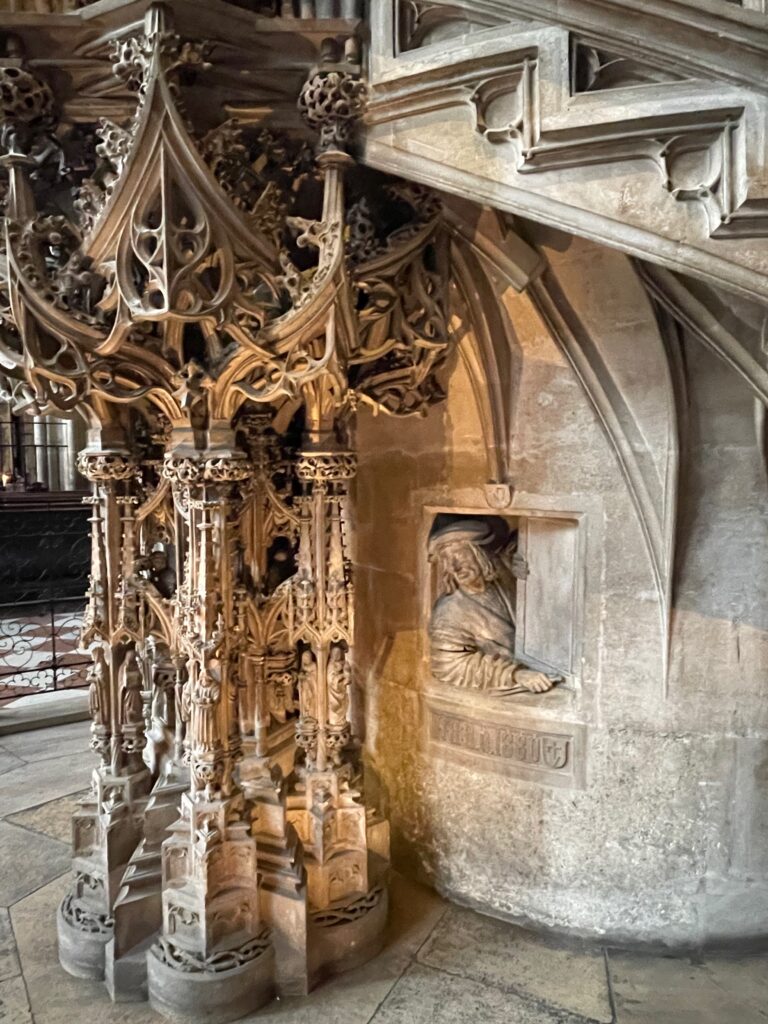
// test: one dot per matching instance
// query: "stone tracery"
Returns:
(196, 286)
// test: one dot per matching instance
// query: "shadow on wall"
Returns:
(721, 567)
(397, 458)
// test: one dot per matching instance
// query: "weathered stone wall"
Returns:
(659, 834)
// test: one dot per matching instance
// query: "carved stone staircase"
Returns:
(283, 884)
(138, 907)
(638, 124)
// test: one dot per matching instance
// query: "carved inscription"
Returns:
(521, 745)
(550, 756)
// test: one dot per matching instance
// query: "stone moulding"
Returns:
(696, 144)
(531, 143)
(682, 35)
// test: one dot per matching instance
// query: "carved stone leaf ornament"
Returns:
(197, 283)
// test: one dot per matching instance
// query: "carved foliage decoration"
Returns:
(198, 279)
(173, 229)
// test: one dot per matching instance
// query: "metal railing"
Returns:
(38, 648)
(44, 559)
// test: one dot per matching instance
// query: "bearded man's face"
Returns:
(464, 565)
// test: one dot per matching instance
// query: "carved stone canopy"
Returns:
(193, 268)
(183, 281)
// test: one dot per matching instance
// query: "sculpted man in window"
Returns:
(472, 628)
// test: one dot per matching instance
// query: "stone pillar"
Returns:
(213, 960)
(107, 825)
(72, 433)
(346, 847)
(40, 452)
(6, 444)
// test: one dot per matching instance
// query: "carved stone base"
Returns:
(288, 918)
(343, 938)
(125, 977)
(210, 996)
(82, 945)
(283, 890)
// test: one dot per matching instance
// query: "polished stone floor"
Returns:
(441, 965)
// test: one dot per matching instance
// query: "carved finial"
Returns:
(26, 103)
(158, 21)
(333, 99)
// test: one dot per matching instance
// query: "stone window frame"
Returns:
(431, 509)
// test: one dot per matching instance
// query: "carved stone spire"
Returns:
(202, 282)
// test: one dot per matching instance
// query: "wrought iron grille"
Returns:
(44, 558)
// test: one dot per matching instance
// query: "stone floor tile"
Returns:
(9, 960)
(353, 998)
(496, 953)
(55, 996)
(428, 996)
(53, 819)
(43, 781)
(14, 1006)
(44, 710)
(29, 860)
(665, 990)
(41, 744)
(8, 761)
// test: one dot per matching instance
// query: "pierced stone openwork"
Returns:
(215, 300)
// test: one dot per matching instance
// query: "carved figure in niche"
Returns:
(308, 686)
(98, 688)
(338, 687)
(205, 700)
(184, 700)
(131, 700)
(161, 731)
(161, 573)
(280, 688)
(472, 628)
(281, 565)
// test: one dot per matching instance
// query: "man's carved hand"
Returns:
(536, 682)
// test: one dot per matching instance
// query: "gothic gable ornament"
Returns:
(215, 300)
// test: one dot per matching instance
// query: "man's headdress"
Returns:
(474, 531)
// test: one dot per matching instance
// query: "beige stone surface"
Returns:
(427, 996)
(42, 744)
(37, 782)
(29, 860)
(494, 953)
(666, 841)
(662, 990)
(53, 819)
(9, 960)
(8, 761)
(14, 1005)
